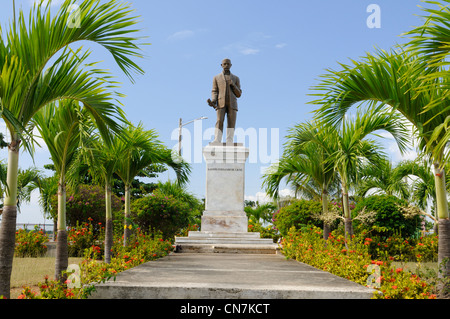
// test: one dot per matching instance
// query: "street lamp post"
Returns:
(180, 125)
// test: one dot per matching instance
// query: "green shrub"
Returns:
(160, 213)
(298, 214)
(30, 243)
(389, 219)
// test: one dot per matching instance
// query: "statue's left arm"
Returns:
(236, 87)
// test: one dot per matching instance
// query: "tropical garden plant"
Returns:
(395, 79)
(352, 260)
(161, 213)
(389, 217)
(137, 151)
(39, 67)
(31, 243)
(306, 169)
(382, 179)
(348, 148)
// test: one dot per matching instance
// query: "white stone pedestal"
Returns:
(225, 188)
(224, 226)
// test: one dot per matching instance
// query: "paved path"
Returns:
(228, 276)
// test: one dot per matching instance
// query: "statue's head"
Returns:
(226, 64)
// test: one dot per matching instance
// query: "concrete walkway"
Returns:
(228, 276)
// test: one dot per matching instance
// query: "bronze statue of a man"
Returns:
(226, 89)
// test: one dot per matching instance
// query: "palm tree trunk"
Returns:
(9, 218)
(444, 231)
(347, 215)
(326, 225)
(62, 253)
(127, 230)
(109, 224)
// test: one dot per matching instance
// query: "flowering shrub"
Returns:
(265, 232)
(352, 260)
(30, 243)
(143, 248)
(396, 248)
(83, 236)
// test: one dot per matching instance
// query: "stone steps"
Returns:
(227, 276)
(225, 242)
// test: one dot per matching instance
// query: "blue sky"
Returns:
(277, 48)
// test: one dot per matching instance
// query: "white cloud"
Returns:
(280, 45)
(249, 51)
(181, 35)
(260, 197)
(263, 198)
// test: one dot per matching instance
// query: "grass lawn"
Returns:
(30, 271)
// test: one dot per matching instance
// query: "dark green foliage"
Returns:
(298, 214)
(389, 215)
(159, 212)
(87, 201)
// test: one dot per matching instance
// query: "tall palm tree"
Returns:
(39, 67)
(352, 148)
(63, 127)
(139, 149)
(101, 159)
(433, 40)
(305, 167)
(395, 79)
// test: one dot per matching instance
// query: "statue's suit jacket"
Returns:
(220, 87)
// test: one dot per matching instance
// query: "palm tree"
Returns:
(139, 149)
(305, 167)
(38, 67)
(261, 213)
(180, 192)
(433, 41)
(26, 183)
(423, 186)
(63, 128)
(101, 160)
(396, 79)
(351, 148)
(48, 187)
(383, 178)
